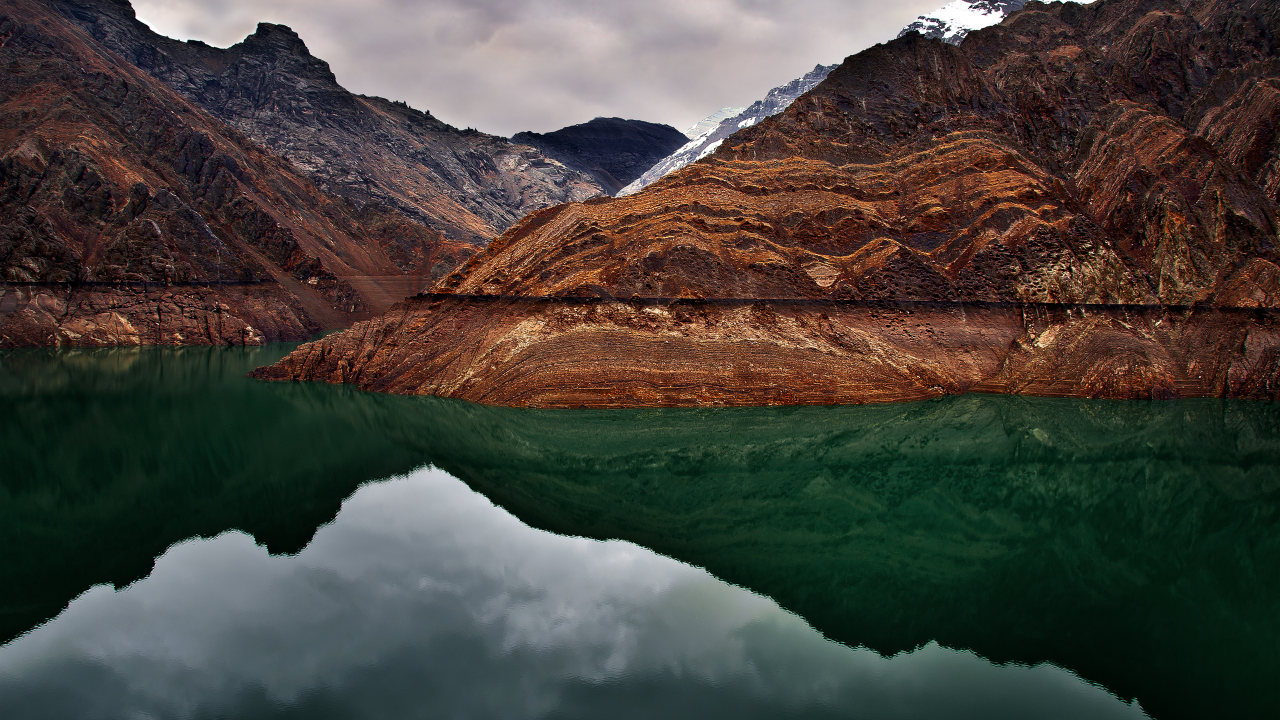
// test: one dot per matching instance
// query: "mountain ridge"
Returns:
(129, 215)
(465, 184)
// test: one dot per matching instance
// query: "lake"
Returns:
(180, 541)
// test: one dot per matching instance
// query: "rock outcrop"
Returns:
(130, 215)
(465, 184)
(1078, 201)
(613, 151)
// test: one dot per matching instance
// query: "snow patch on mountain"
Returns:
(953, 21)
(711, 122)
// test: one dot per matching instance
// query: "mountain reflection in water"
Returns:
(1135, 544)
(424, 600)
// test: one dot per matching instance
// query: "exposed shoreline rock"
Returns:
(561, 353)
(102, 315)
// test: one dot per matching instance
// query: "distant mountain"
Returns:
(613, 151)
(711, 136)
(951, 22)
(467, 185)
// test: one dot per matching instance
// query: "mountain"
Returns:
(1081, 200)
(711, 135)
(953, 21)
(612, 151)
(130, 215)
(949, 23)
(464, 184)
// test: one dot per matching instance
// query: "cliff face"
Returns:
(613, 151)
(130, 215)
(1037, 210)
(467, 185)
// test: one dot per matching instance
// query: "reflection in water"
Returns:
(110, 456)
(423, 600)
(1135, 543)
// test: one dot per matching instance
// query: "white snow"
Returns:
(709, 149)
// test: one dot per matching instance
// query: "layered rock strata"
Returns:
(606, 354)
(110, 183)
(465, 184)
(1116, 160)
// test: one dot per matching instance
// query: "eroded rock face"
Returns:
(1083, 197)
(465, 184)
(606, 354)
(97, 316)
(108, 177)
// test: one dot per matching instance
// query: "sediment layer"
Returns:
(605, 354)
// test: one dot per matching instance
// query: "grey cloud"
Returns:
(509, 65)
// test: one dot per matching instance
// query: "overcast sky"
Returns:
(503, 66)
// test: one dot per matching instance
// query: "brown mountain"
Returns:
(1079, 201)
(130, 215)
(465, 184)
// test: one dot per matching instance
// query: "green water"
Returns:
(1135, 544)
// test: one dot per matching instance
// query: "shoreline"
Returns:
(598, 353)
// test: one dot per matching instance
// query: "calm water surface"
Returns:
(179, 541)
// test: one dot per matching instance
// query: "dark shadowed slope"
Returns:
(611, 150)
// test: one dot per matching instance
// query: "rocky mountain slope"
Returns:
(705, 142)
(949, 23)
(613, 151)
(953, 21)
(464, 184)
(1081, 200)
(130, 215)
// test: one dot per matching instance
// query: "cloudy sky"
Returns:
(508, 65)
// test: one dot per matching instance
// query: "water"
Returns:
(296, 550)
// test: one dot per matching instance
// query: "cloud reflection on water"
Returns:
(423, 599)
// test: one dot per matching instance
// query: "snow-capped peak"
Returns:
(953, 21)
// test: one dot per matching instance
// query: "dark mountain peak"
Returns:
(272, 37)
(280, 46)
(612, 150)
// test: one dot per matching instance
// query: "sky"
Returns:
(503, 66)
